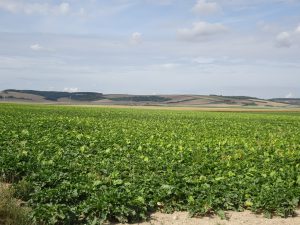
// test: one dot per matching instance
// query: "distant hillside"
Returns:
(292, 101)
(235, 97)
(55, 95)
(59, 97)
(142, 98)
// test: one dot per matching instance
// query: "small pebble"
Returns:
(175, 217)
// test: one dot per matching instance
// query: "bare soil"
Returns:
(234, 218)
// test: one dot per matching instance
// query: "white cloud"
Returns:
(36, 47)
(163, 66)
(202, 60)
(297, 30)
(18, 6)
(205, 7)
(201, 30)
(64, 8)
(169, 65)
(34, 8)
(161, 2)
(15, 6)
(284, 40)
(67, 89)
(268, 27)
(82, 12)
(136, 38)
(9, 6)
(23, 63)
(289, 95)
(288, 38)
(217, 60)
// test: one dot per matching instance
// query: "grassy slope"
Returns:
(167, 100)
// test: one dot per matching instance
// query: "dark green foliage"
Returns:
(240, 97)
(55, 95)
(234, 97)
(294, 101)
(249, 104)
(225, 101)
(142, 98)
(87, 165)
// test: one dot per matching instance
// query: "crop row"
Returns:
(77, 165)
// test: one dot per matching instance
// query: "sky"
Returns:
(224, 47)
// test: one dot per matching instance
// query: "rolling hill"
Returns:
(94, 98)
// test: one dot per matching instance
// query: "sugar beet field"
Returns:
(81, 165)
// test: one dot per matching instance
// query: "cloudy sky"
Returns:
(228, 47)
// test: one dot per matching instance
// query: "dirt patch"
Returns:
(234, 218)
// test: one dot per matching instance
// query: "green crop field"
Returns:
(76, 165)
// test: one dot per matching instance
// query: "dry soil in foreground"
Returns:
(234, 218)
